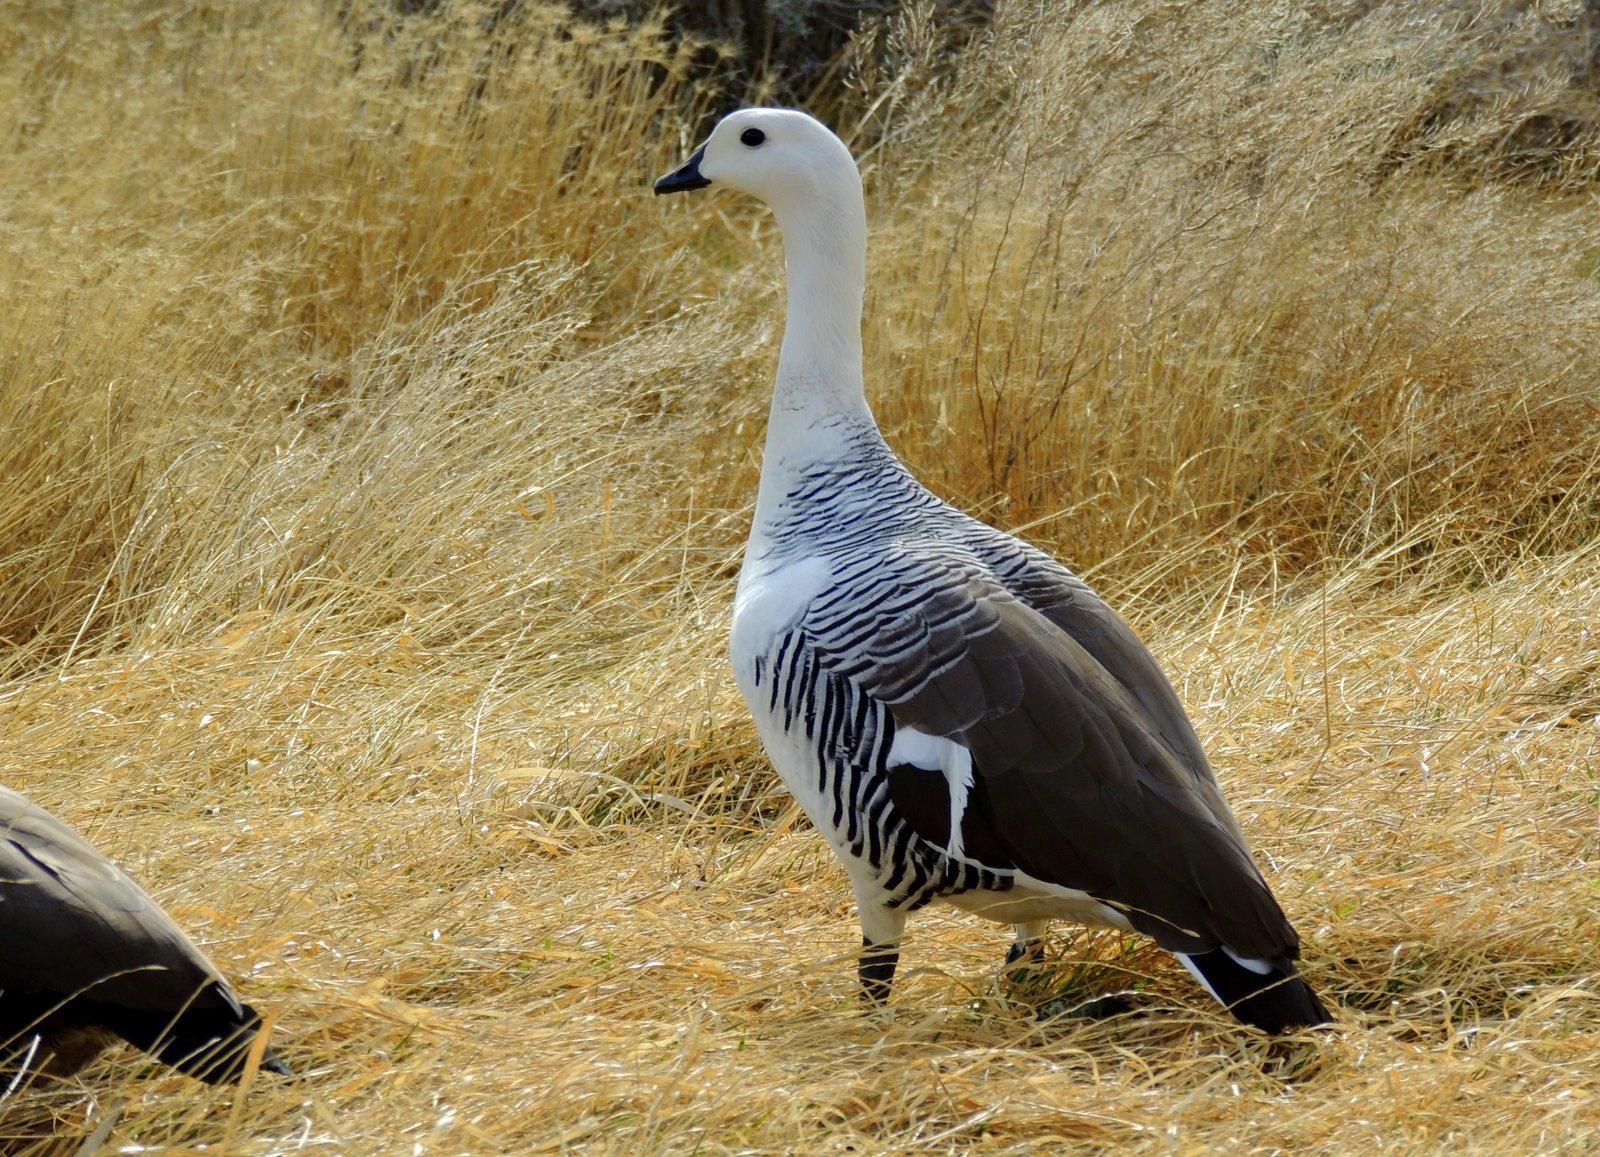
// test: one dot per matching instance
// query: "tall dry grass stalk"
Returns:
(1182, 294)
(376, 455)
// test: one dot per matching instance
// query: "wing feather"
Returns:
(74, 922)
(1088, 774)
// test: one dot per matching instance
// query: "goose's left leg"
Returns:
(881, 930)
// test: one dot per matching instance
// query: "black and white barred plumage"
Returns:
(807, 684)
(958, 714)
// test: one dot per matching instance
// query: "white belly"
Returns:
(1029, 900)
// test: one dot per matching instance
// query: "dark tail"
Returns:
(1274, 1001)
(211, 1043)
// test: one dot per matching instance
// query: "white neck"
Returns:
(818, 401)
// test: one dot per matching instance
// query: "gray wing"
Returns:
(1087, 773)
(74, 922)
(1067, 601)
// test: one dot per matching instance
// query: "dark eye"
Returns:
(752, 138)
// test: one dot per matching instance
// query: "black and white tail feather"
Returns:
(961, 717)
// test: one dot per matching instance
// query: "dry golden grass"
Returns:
(376, 457)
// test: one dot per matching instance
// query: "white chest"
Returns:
(767, 613)
(768, 604)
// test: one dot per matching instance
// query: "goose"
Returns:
(960, 716)
(86, 956)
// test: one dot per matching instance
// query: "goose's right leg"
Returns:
(1029, 934)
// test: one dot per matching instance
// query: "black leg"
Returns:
(877, 967)
(1025, 976)
(1029, 944)
(1021, 949)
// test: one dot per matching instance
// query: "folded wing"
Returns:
(87, 951)
(1076, 779)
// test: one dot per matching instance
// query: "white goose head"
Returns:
(809, 180)
(780, 156)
